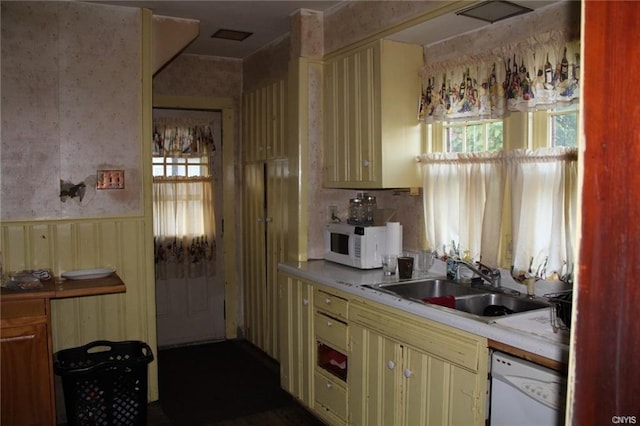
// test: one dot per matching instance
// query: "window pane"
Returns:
(564, 130)
(455, 139)
(176, 170)
(158, 170)
(195, 171)
(494, 136)
(475, 138)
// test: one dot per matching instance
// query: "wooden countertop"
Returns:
(60, 288)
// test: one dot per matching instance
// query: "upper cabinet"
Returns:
(371, 130)
(264, 121)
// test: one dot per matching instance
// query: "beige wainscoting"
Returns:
(65, 245)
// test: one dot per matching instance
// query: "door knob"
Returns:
(391, 365)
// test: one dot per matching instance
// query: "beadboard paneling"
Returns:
(66, 245)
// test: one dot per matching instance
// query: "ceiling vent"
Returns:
(231, 34)
(494, 10)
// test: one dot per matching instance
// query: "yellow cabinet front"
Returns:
(371, 131)
(297, 342)
(394, 379)
(264, 122)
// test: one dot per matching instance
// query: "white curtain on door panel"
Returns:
(184, 227)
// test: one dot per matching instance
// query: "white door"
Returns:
(190, 305)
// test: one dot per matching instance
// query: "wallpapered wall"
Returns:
(70, 106)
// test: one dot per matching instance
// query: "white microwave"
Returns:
(358, 246)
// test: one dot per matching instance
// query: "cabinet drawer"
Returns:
(331, 331)
(330, 303)
(331, 395)
(23, 308)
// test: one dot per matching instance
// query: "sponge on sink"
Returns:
(448, 301)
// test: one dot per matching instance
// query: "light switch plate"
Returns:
(110, 179)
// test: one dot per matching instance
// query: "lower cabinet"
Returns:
(405, 370)
(297, 344)
(26, 366)
(355, 362)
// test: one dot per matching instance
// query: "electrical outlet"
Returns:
(110, 179)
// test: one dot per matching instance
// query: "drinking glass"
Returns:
(389, 264)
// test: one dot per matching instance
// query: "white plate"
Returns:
(88, 274)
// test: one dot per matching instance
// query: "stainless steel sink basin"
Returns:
(420, 290)
(497, 304)
(482, 304)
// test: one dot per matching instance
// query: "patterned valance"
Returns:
(536, 73)
(174, 136)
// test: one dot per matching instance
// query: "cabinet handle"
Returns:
(18, 338)
(408, 373)
(391, 365)
(305, 302)
(327, 301)
(329, 386)
(329, 323)
(268, 219)
(365, 163)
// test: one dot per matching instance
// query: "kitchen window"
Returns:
(511, 206)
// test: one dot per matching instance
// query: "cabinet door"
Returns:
(254, 259)
(276, 120)
(439, 393)
(297, 345)
(26, 386)
(352, 130)
(264, 123)
(276, 222)
(375, 378)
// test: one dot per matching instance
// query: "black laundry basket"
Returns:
(105, 383)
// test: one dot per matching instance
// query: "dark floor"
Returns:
(223, 383)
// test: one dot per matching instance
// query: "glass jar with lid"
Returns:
(356, 211)
(370, 206)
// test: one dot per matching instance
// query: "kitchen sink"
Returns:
(497, 304)
(481, 303)
(420, 290)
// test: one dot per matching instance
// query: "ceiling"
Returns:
(269, 20)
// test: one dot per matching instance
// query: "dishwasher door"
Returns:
(524, 393)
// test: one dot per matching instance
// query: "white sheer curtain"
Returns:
(184, 226)
(543, 185)
(464, 206)
(463, 197)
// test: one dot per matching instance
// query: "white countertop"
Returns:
(529, 331)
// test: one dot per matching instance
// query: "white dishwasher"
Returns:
(525, 394)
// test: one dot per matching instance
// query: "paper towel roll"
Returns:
(394, 238)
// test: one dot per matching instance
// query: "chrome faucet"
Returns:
(490, 275)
